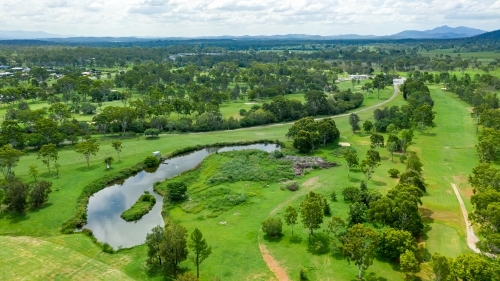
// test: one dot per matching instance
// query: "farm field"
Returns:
(481, 56)
(447, 152)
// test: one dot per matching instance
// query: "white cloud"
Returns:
(240, 17)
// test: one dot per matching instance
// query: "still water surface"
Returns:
(106, 206)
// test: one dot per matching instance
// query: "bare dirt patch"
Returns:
(308, 185)
(344, 144)
(310, 182)
(273, 264)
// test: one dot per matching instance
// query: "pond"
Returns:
(106, 206)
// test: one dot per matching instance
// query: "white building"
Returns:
(399, 81)
(358, 77)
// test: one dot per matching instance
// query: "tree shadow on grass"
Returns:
(319, 244)
(428, 134)
(393, 263)
(36, 210)
(371, 276)
(47, 175)
(354, 180)
(379, 183)
(295, 239)
(88, 168)
(14, 217)
(273, 239)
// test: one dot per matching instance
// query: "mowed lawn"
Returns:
(235, 244)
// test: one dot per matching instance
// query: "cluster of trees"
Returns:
(16, 195)
(317, 103)
(416, 113)
(307, 133)
(169, 246)
(357, 243)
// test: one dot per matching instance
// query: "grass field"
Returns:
(33, 249)
(481, 56)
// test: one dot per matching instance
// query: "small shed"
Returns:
(157, 154)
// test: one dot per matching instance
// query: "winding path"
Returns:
(471, 236)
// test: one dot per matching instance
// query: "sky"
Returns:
(190, 18)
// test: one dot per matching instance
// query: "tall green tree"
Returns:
(87, 148)
(33, 171)
(441, 267)
(424, 116)
(16, 195)
(199, 248)
(395, 242)
(40, 193)
(117, 145)
(354, 122)
(60, 112)
(312, 212)
(377, 140)
(153, 242)
(357, 213)
(408, 263)
(291, 216)
(392, 147)
(173, 247)
(368, 126)
(358, 246)
(48, 153)
(351, 159)
(471, 267)
(8, 160)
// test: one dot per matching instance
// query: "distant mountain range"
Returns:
(21, 34)
(442, 32)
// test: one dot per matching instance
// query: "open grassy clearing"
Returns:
(481, 56)
(235, 243)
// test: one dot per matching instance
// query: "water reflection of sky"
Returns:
(106, 206)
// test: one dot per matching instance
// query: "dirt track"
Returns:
(273, 264)
(471, 236)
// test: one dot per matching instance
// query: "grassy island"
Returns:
(141, 207)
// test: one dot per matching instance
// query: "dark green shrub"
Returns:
(393, 173)
(152, 132)
(176, 190)
(272, 227)
(87, 232)
(107, 248)
(327, 210)
(292, 186)
(243, 112)
(151, 162)
(303, 274)
(333, 196)
(277, 154)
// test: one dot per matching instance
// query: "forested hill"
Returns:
(493, 35)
